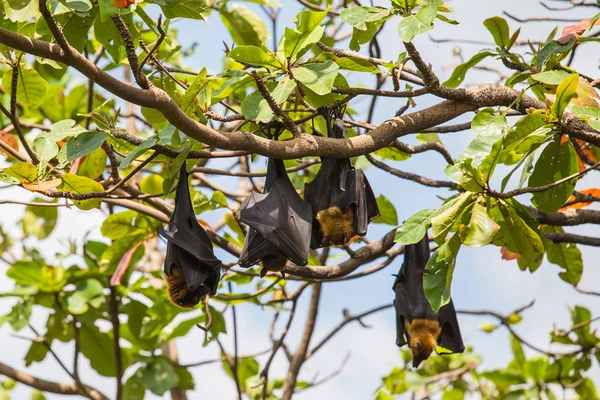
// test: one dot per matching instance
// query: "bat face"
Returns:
(342, 199)
(179, 292)
(423, 334)
(279, 221)
(191, 269)
(416, 323)
(274, 263)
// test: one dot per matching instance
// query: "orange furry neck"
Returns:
(336, 226)
(423, 334)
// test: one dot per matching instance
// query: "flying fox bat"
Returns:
(279, 223)
(416, 323)
(342, 199)
(191, 268)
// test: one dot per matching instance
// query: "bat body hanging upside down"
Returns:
(191, 269)
(279, 223)
(416, 323)
(341, 197)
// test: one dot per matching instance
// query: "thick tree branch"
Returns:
(66, 389)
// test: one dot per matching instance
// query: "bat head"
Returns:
(423, 334)
(273, 262)
(337, 226)
(178, 291)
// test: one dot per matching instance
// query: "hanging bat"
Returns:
(342, 199)
(191, 268)
(416, 323)
(279, 223)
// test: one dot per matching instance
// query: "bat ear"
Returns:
(263, 272)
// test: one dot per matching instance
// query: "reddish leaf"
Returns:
(508, 255)
(75, 165)
(123, 3)
(572, 32)
(123, 264)
(10, 141)
(591, 192)
(42, 186)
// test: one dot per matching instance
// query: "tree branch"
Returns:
(66, 389)
(289, 385)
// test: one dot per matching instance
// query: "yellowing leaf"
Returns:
(81, 185)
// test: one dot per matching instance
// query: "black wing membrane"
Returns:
(279, 220)
(339, 184)
(189, 247)
(450, 338)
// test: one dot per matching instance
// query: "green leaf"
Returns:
(308, 31)
(564, 93)
(152, 184)
(141, 149)
(128, 223)
(358, 17)
(498, 27)
(254, 56)
(160, 376)
(98, 348)
(361, 37)
(21, 10)
(387, 211)
(134, 388)
(557, 161)
(31, 87)
(383, 395)
(414, 228)
(481, 229)
(392, 153)
(84, 144)
(523, 127)
(317, 77)
(552, 51)
(247, 367)
(520, 237)
(440, 268)
(18, 318)
(87, 293)
(459, 73)
(39, 221)
(93, 164)
(81, 185)
(192, 9)
(414, 25)
(44, 148)
(565, 255)
(443, 222)
(535, 368)
(22, 171)
(256, 108)
(63, 129)
(47, 279)
(245, 27)
(553, 77)
(188, 100)
(354, 64)
(487, 327)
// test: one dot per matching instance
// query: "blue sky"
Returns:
(481, 280)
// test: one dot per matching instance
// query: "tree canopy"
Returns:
(100, 110)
